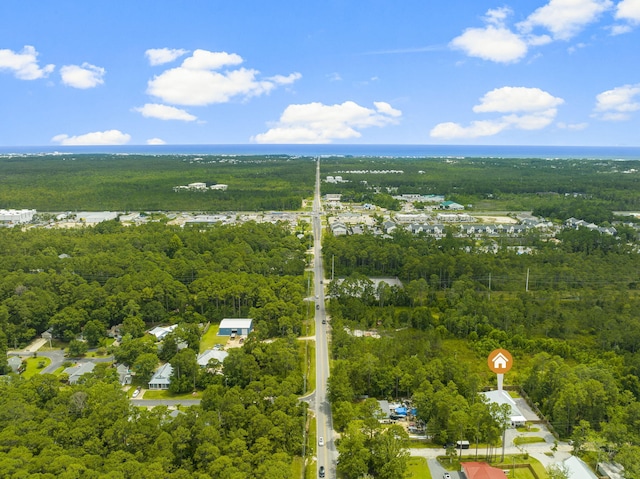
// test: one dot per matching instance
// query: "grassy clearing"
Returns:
(210, 338)
(35, 366)
(168, 395)
(418, 468)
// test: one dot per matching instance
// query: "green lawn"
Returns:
(527, 440)
(35, 366)
(310, 367)
(506, 465)
(311, 450)
(168, 395)
(528, 428)
(210, 338)
(418, 468)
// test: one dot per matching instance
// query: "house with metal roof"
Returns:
(162, 377)
(77, 371)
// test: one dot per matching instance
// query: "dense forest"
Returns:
(113, 274)
(250, 423)
(555, 188)
(246, 429)
(567, 310)
(85, 182)
(568, 315)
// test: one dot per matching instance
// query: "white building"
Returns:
(16, 216)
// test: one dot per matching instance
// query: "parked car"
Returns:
(136, 392)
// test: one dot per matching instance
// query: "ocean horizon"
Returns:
(379, 151)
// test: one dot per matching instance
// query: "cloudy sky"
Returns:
(554, 72)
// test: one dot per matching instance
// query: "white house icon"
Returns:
(500, 361)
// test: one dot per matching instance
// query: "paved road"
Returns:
(327, 454)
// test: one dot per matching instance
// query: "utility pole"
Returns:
(526, 288)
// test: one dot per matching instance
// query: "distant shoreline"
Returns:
(374, 151)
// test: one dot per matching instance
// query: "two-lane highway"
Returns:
(327, 453)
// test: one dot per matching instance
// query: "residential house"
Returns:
(77, 371)
(162, 377)
(217, 354)
(124, 374)
(160, 332)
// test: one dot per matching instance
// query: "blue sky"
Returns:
(555, 72)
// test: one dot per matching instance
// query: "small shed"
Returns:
(235, 327)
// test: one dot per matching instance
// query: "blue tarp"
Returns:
(401, 411)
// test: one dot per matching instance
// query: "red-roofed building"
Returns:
(481, 470)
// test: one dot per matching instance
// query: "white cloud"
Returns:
(164, 112)
(617, 104)
(628, 10)
(620, 29)
(572, 126)
(516, 99)
(453, 131)
(497, 16)
(109, 137)
(85, 76)
(494, 43)
(319, 123)
(156, 141)
(522, 108)
(159, 56)
(565, 18)
(196, 81)
(24, 65)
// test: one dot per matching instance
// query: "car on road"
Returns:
(321, 441)
(317, 306)
(446, 475)
(321, 471)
